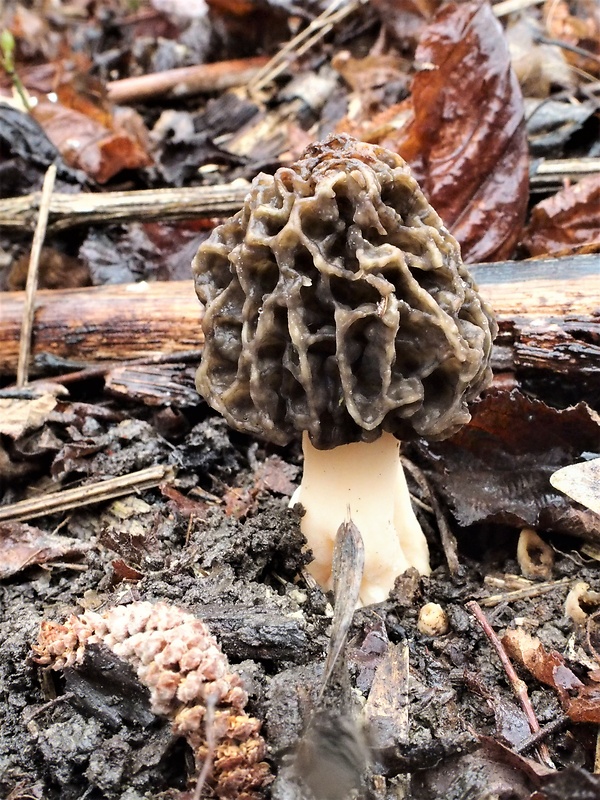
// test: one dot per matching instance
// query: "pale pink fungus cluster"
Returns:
(180, 662)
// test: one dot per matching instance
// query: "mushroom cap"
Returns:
(337, 303)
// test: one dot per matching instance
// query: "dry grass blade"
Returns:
(520, 594)
(303, 41)
(32, 276)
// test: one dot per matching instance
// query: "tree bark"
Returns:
(548, 311)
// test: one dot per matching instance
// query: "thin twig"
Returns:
(99, 371)
(519, 686)
(521, 594)
(572, 48)
(535, 739)
(98, 492)
(32, 277)
(185, 81)
(449, 543)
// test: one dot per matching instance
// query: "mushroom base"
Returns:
(368, 479)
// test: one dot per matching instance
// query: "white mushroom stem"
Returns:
(368, 479)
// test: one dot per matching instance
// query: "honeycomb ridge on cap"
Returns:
(336, 302)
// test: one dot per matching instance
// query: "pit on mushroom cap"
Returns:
(337, 306)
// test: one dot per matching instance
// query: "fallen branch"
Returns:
(185, 81)
(549, 314)
(99, 492)
(68, 210)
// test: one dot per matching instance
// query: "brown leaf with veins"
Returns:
(467, 141)
(580, 702)
(23, 546)
(497, 468)
(566, 220)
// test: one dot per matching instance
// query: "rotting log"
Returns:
(117, 322)
(548, 310)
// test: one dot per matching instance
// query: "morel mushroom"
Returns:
(337, 305)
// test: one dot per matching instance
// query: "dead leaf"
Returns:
(467, 141)
(374, 80)
(88, 145)
(19, 416)
(23, 546)
(498, 467)
(277, 476)
(57, 270)
(581, 482)
(185, 506)
(576, 23)
(566, 220)
(580, 702)
(573, 782)
(239, 503)
(123, 572)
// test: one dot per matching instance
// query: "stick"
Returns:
(98, 492)
(449, 543)
(67, 210)
(519, 686)
(520, 594)
(533, 740)
(32, 277)
(185, 81)
(506, 7)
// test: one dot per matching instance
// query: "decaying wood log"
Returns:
(549, 314)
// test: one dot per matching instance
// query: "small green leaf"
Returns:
(7, 47)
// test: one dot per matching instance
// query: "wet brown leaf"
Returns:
(467, 141)
(88, 145)
(23, 546)
(498, 467)
(566, 220)
(580, 702)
